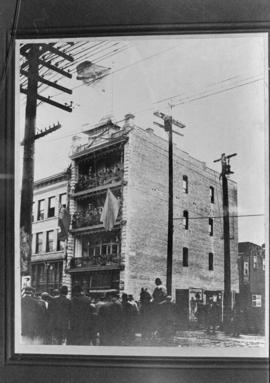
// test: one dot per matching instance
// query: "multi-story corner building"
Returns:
(133, 164)
(252, 284)
(48, 253)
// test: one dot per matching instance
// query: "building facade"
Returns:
(132, 163)
(252, 285)
(48, 253)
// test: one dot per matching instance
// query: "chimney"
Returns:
(129, 121)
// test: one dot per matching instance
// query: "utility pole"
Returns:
(168, 123)
(33, 53)
(226, 170)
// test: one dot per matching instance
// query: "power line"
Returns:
(231, 216)
(151, 108)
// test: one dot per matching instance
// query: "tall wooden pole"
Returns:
(227, 299)
(227, 255)
(28, 161)
(168, 127)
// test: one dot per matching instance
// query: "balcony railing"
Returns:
(88, 217)
(100, 260)
(104, 176)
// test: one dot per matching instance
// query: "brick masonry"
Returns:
(146, 201)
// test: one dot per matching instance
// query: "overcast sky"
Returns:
(215, 85)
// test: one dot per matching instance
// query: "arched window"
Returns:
(185, 184)
(211, 227)
(185, 256)
(185, 219)
(212, 194)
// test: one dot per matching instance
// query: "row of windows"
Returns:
(210, 259)
(211, 189)
(186, 223)
(49, 244)
(51, 211)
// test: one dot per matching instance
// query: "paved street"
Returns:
(199, 338)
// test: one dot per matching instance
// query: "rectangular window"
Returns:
(256, 300)
(246, 271)
(39, 242)
(185, 219)
(255, 262)
(40, 215)
(212, 194)
(211, 227)
(185, 256)
(51, 207)
(33, 212)
(63, 200)
(185, 184)
(211, 261)
(49, 241)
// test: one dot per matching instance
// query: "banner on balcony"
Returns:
(63, 223)
(110, 211)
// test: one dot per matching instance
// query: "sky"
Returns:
(216, 85)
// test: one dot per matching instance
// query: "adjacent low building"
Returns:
(48, 252)
(252, 285)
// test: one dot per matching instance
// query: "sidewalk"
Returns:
(199, 338)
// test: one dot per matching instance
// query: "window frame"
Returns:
(41, 212)
(39, 243)
(50, 209)
(49, 242)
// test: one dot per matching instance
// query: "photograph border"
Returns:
(159, 25)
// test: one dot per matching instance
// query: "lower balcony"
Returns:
(102, 262)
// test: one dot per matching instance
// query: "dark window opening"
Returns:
(211, 227)
(185, 256)
(211, 261)
(49, 241)
(39, 242)
(212, 194)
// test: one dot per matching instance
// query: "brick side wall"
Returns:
(147, 214)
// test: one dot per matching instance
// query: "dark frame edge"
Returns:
(10, 357)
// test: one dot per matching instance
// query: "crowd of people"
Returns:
(106, 320)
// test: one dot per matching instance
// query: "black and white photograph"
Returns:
(141, 184)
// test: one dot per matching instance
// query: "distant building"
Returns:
(48, 253)
(252, 285)
(132, 163)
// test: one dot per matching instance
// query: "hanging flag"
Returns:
(110, 211)
(63, 223)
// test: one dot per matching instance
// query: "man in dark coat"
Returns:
(212, 316)
(82, 318)
(110, 321)
(59, 316)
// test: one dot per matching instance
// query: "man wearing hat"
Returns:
(59, 316)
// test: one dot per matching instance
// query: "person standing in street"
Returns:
(31, 318)
(59, 316)
(82, 318)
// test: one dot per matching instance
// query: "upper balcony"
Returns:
(102, 177)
